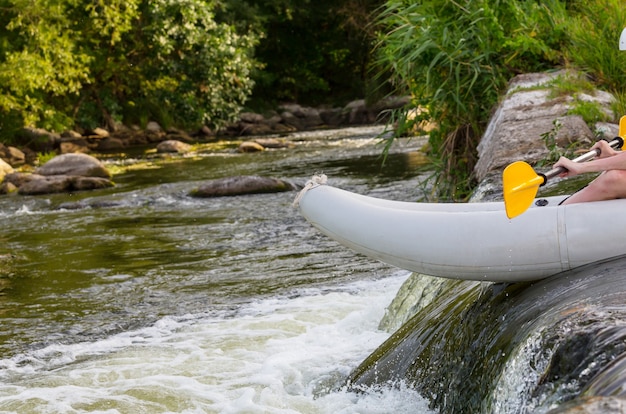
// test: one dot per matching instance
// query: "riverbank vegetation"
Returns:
(456, 58)
(186, 63)
(67, 63)
(183, 63)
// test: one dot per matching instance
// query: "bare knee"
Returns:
(609, 185)
(612, 184)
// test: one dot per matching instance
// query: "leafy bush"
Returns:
(39, 66)
(198, 68)
(99, 63)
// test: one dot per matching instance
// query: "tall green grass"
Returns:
(594, 28)
(455, 59)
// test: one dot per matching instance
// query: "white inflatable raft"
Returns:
(472, 241)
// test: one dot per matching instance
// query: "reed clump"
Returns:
(455, 58)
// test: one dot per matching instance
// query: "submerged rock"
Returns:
(239, 185)
(274, 143)
(250, 146)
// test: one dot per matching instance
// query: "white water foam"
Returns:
(521, 374)
(277, 356)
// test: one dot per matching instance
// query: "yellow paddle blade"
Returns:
(520, 184)
(622, 128)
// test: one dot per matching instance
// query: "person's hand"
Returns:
(605, 149)
(571, 168)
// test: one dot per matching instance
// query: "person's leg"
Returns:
(608, 186)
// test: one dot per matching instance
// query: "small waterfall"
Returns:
(510, 348)
(414, 295)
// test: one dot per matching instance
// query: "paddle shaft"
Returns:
(617, 142)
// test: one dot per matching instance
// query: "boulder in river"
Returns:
(239, 185)
(174, 146)
(74, 164)
(5, 169)
(64, 173)
(62, 184)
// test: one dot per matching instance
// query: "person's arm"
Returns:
(609, 159)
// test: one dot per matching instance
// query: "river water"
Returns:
(141, 299)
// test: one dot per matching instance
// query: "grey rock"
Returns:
(239, 185)
(74, 164)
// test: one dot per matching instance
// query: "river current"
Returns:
(140, 298)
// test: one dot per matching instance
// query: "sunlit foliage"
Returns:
(96, 63)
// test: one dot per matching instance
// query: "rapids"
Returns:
(140, 298)
(513, 348)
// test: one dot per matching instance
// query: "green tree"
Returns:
(171, 62)
(39, 65)
(97, 63)
(312, 51)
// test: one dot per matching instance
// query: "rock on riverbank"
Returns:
(287, 118)
(528, 112)
(62, 174)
